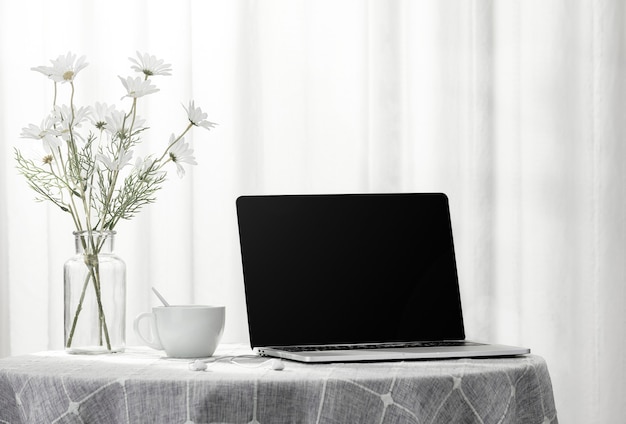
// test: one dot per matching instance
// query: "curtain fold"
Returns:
(514, 109)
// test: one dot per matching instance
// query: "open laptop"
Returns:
(353, 277)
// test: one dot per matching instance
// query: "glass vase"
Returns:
(95, 296)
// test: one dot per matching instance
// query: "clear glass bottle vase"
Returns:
(95, 296)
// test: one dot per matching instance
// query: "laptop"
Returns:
(353, 277)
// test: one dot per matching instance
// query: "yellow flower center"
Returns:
(68, 75)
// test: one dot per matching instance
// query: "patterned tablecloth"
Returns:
(142, 386)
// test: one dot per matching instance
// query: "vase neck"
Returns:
(94, 242)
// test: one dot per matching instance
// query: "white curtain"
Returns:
(512, 108)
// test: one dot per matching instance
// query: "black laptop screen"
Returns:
(356, 268)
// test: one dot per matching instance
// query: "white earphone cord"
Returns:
(202, 365)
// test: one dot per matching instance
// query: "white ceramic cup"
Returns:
(183, 331)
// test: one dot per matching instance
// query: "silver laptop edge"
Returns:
(395, 354)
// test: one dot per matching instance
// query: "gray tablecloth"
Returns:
(141, 386)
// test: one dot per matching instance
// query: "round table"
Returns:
(142, 386)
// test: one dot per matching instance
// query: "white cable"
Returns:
(203, 364)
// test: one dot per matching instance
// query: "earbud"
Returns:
(198, 365)
(277, 365)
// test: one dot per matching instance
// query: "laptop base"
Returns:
(474, 350)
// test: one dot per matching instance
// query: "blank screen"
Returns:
(354, 268)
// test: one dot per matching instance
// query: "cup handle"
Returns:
(154, 342)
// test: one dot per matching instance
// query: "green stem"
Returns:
(92, 263)
(79, 307)
(95, 272)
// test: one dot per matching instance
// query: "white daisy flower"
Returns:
(63, 113)
(35, 132)
(150, 65)
(115, 122)
(115, 164)
(118, 125)
(44, 132)
(197, 117)
(99, 113)
(64, 68)
(63, 117)
(137, 87)
(181, 153)
(142, 165)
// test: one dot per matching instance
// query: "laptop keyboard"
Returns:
(377, 346)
